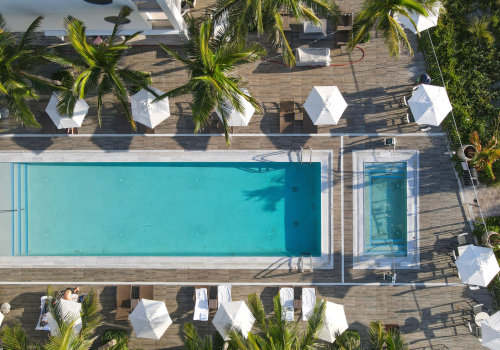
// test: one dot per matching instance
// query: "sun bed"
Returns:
(223, 294)
(286, 296)
(308, 126)
(287, 117)
(308, 56)
(143, 129)
(123, 302)
(48, 126)
(38, 327)
(201, 303)
(308, 301)
(147, 292)
(123, 126)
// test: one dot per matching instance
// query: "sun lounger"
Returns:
(123, 302)
(308, 301)
(143, 129)
(123, 126)
(286, 296)
(48, 126)
(223, 294)
(308, 56)
(307, 124)
(201, 303)
(38, 327)
(147, 292)
(287, 117)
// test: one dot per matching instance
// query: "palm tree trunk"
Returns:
(108, 345)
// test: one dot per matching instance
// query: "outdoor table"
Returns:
(481, 317)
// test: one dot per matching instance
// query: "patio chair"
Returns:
(309, 31)
(403, 102)
(223, 295)
(147, 292)
(122, 124)
(123, 302)
(48, 126)
(308, 301)
(287, 296)
(201, 303)
(462, 239)
(308, 126)
(287, 117)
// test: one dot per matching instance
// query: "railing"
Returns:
(147, 5)
(160, 24)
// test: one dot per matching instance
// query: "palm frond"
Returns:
(396, 340)
(13, 337)
(314, 325)
(125, 11)
(257, 310)
(377, 336)
(91, 317)
(29, 36)
(475, 141)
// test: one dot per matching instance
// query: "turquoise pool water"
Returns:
(171, 209)
(385, 202)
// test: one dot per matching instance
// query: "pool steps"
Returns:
(19, 173)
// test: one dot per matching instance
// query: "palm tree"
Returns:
(275, 332)
(485, 155)
(380, 339)
(193, 341)
(379, 14)
(479, 28)
(100, 67)
(265, 16)
(19, 61)
(210, 60)
(348, 340)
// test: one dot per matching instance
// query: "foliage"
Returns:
(348, 340)
(15, 338)
(209, 62)
(20, 60)
(380, 339)
(193, 341)
(478, 27)
(485, 155)
(243, 16)
(110, 334)
(100, 68)
(380, 14)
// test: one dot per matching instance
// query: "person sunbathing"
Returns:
(68, 294)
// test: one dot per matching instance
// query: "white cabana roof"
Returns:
(335, 321)
(477, 265)
(235, 117)
(69, 310)
(422, 22)
(150, 319)
(146, 112)
(79, 113)
(490, 329)
(325, 105)
(430, 104)
(236, 314)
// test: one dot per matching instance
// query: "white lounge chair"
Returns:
(286, 296)
(308, 301)
(201, 304)
(309, 56)
(223, 294)
(38, 327)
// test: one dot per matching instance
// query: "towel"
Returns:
(308, 302)
(201, 305)
(286, 297)
(223, 294)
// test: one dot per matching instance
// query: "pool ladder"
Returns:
(301, 262)
(302, 154)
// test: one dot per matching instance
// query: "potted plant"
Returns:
(485, 155)
(467, 152)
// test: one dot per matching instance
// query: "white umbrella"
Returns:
(490, 329)
(150, 319)
(1, 318)
(430, 104)
(69, 310)
(335, 321)
(79, 113)
(477, 265)
(422, 22)
(236, 314)
(147, 112)
(325, 105)
(235, 117)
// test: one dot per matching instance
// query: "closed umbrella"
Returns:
(335, 321)
(430, 104)
(477, 265)
(325, 105)
(70, 310)
(490, 329)
(150, 319)
(236, 118)
(422, 22)
(234, 314)
(61, 122)
(147, 112)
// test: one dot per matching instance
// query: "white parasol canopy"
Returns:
(235, 314)
(79, 113)
(235, 117)
(69, 310)
(430, 104)
(146, 112)
(150, 319)
(1, 318)
(422, 22)
(335, 321)
(325, 105)
(490, 329)
(477, 265)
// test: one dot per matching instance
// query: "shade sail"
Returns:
(490, 329)
(477, 265)
(147, 112)
(70, 310)
(79, 113)
(325, 105)
(335, 321)
(150, 319)
(430, 104)
(422, 22)
(236, 118)
(233, 314)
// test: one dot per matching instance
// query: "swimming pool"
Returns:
(168, 209)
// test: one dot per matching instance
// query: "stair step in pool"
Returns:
(19, 195)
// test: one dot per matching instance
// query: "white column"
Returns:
(170, 9)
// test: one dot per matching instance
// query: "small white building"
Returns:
(154, 17)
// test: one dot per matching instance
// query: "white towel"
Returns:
(308, 302)
(223, 294)
(201, 305)
(286, 297)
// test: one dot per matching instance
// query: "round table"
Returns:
(481, 317)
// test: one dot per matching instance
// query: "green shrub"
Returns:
(116, 334)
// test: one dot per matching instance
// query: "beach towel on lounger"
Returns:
(43, 311)
(223, 294)
(286, 297)
(201, 305)
(308, 302)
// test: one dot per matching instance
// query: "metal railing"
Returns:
(147, 5)
(160, 24)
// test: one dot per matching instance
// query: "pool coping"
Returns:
(412, 260)
(325, 261)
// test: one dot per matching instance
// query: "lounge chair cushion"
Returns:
(308, 56)
(308, 302)
(223, 294)
(286, 297)
(201, 305)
